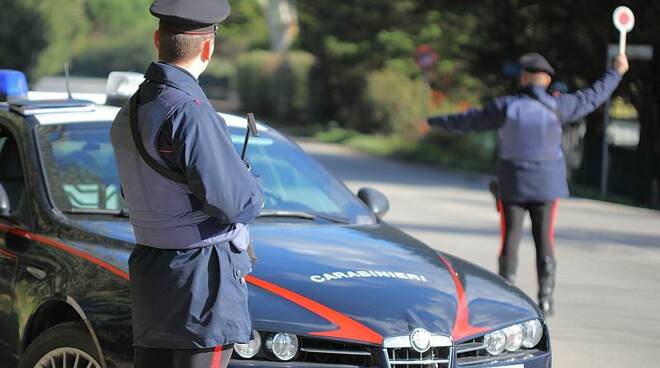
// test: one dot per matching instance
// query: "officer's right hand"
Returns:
(422, 127)
(620, 63)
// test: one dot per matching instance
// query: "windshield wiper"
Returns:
(305, 215)
(98, 211)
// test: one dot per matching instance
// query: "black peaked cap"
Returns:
(190, 16)
(535, 62)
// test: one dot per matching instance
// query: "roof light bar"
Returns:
(13, 85)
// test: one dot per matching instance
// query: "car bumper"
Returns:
(543, 360)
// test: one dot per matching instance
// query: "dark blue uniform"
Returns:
(532, 165)
(187, 273)
(532, 168)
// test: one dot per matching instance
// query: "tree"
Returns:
(282, 18)
(352, 38)
(20, 50)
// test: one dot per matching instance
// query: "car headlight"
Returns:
(532, 331)
(250, 349)
(283, 345)
(512, 338)
(495, 342)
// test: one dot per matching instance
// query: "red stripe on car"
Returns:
(217, 357)
(462, 327)
(347, 328)
(61, 246)
(7, 253)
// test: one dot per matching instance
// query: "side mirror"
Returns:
(5, 206)
(375, 200)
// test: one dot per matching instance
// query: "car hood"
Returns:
(365, 283)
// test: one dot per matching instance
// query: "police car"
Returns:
(334, 285)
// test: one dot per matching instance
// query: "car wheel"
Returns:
(66, 345)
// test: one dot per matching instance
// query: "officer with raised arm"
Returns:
(189, 197)
(532, 168)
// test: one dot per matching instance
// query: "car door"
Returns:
(13, 182)
(8, 322)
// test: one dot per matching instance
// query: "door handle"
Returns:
(36, 272)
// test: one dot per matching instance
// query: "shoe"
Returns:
(546, 275)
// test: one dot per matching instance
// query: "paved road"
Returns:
(608, 295)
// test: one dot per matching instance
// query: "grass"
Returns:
(416, 151)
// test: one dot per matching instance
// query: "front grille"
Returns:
(400, 353)
(334, 352)
(471, 348)
(438, 357)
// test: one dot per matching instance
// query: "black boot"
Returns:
(508, 269)
(546, 270)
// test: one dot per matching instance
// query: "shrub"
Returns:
(393, 103)
(275, 85)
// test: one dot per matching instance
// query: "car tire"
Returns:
(65, 345)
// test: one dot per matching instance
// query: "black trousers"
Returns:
(543, 215)
(217, 357)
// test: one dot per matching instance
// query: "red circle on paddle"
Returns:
(624, 19)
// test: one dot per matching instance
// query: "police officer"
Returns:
(532, 168)
(189, 197)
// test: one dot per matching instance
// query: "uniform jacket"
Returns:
(182, 131)
(532, 165)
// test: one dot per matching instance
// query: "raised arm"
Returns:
(491, 116)
(577, 105)
(216, 174)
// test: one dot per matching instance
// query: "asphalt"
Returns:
(608, 287)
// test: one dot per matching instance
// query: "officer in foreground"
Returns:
(189, 197)
(532, 168)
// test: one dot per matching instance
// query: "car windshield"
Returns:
(82, 177)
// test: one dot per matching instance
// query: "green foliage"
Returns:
(245, 29)
(474, 153)
(275, 85)
(99, 36)
(112, 17)
(353, 38)
(133, 51)
(65, 25)
(393, 103)
(120, 38)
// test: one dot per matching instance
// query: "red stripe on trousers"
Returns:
(553, 218)
(217, 357)
(500, 208)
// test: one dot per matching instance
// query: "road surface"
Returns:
(608, 288)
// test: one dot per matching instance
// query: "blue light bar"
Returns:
(13, 85)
